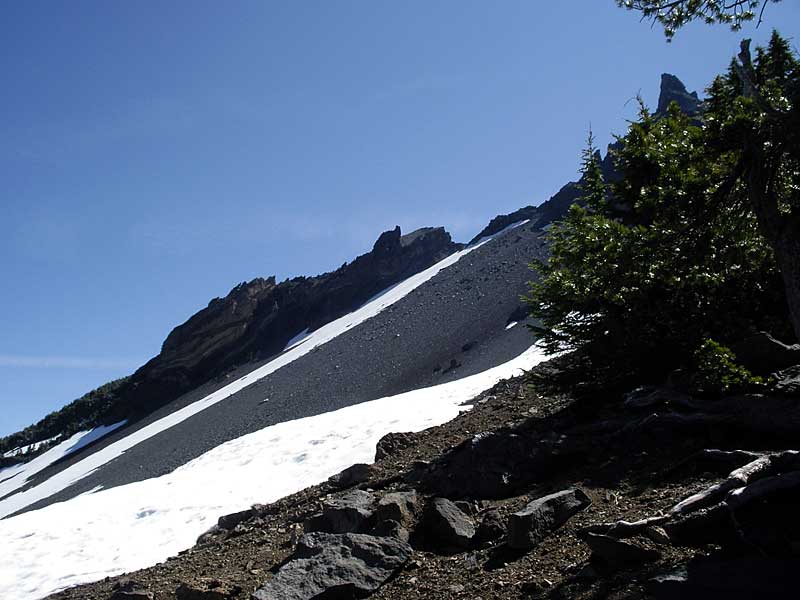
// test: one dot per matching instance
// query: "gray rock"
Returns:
(229, 522)
(328, 565)
(492, 527)
(615, 553)
(391, 444)
(529, 526)
(788, 382)
(402, 507)
(446, 528)
(353, 475)
(349, 512)
(390, 528)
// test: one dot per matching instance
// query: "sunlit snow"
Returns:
(133, 526)
(13, 478)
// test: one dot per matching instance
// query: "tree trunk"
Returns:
(787, 253)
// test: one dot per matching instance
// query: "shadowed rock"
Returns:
(529, 526)
(446, 527)
(328, 565)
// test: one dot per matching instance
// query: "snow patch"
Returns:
(15, 477)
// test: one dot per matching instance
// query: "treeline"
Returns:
(86, 412)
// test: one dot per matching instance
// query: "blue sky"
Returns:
(153, 155)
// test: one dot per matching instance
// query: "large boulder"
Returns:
(353, 475)
(349, 512)
(328, 565)
(528, 527)
(401, 507)
(392, 443)
(446, 528)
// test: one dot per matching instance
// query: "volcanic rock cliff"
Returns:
(257, 318)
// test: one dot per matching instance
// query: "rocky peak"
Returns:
(672, 89)
(256, 319)
(387, 242)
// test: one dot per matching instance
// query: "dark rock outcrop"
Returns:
(673, 90)
(257, 319)
(495, 465)
(328, 565)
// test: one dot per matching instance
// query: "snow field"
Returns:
(13, 478)
(137, 525)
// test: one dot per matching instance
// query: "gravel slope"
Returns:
(450, 327)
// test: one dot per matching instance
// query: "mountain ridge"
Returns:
(256, 319)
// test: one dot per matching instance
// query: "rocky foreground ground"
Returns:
(530, 494)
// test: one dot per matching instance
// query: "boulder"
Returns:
(349, 512)
(402, 507)
(616, 554)
(492, 527)
(229, 522)
(353, 475)
(391, 444)
(325, 565)
(390, 528)
(529, 526)
(446, 527)
(788, 382)
(763, 354)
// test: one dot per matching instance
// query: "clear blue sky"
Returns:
(154, 154)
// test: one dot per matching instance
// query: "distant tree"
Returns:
(674, 14)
